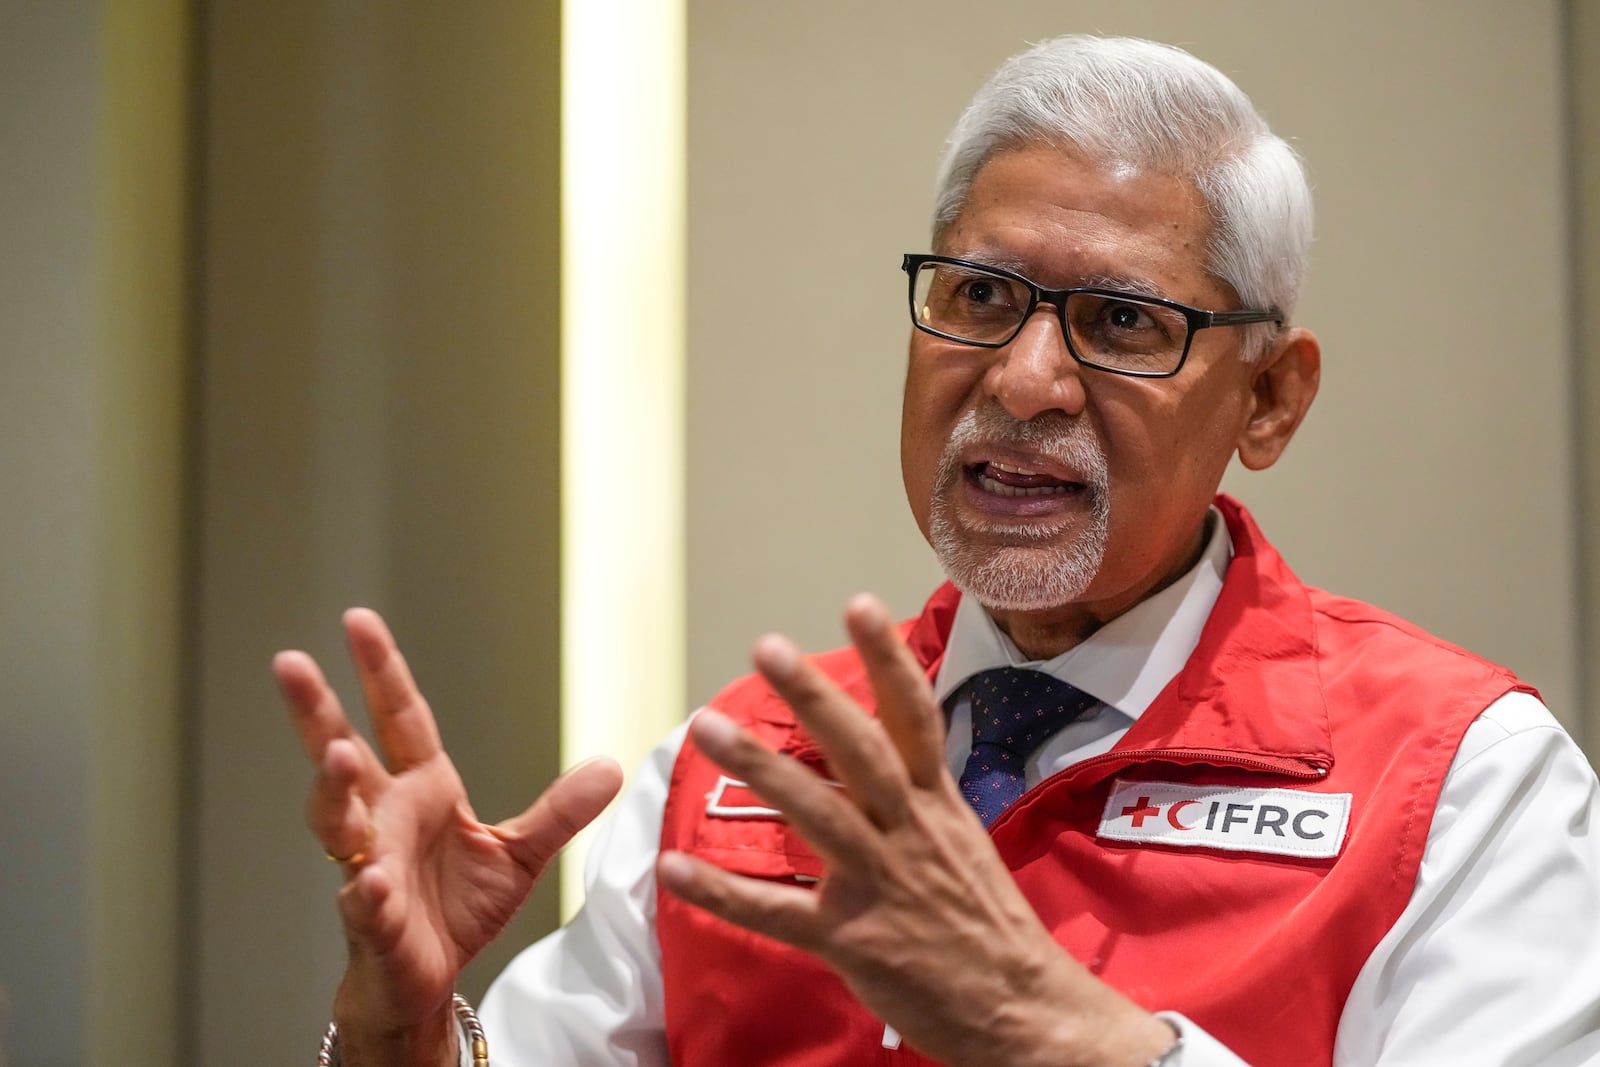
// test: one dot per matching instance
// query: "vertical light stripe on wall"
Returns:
(136, 757)
(1581, 23)
(622, 393)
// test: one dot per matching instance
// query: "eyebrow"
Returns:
(1122, 283)
(986, 259)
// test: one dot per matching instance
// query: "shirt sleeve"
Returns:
(590, 993)
(1496, 958)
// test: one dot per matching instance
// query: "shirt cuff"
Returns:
(1200, 1049)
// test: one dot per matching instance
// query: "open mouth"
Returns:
(1006, 480)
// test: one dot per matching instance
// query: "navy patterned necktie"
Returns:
(1013, 711)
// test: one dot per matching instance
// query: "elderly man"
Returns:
(1125, 793)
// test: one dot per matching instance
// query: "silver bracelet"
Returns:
(1170, 1056)
(464, 1013)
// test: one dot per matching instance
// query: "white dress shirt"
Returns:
(1495, 961)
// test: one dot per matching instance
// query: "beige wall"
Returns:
(1434, 476)
(1583, 66)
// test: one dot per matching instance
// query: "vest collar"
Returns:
(1251, 684)
(1249, 689)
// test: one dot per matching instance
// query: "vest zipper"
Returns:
(1304, 770)
(1309, 770)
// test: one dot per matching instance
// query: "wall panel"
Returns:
(380, 411)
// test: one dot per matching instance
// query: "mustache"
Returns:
(1050, 433)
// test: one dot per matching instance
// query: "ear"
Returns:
(1285, 382)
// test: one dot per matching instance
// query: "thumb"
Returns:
(567, 806)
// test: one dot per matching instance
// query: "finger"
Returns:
(818, 811)
(858, 751)
(372, 919)
(313, 706)
(401, 719)
(571, 803)
(787, 913)
(906, 707)
(336, 813)
(315, 710)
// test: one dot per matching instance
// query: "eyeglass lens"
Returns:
(1116, 332)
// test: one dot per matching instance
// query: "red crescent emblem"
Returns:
(1172, 814)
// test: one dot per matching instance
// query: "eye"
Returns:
(1120, 320)
(1128, 317)
(982, 291)
(1124, 332)
(967, 303)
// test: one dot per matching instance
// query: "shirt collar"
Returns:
(1126, 662)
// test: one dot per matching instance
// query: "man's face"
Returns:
(1054, 492)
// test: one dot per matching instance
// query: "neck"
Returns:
(1047, 633)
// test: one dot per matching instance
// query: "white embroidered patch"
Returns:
(1285, 822)
(733, 799)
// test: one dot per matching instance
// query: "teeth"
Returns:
(1002, 489)
(1013, 470)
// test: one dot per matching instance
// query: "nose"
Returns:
(1035, 372)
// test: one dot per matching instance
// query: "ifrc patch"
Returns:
(1285, 822)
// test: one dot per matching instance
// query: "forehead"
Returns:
(1063, 221)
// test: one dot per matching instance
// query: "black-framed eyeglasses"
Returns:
(1124, 333)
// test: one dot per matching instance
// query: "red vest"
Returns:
(1289, 688)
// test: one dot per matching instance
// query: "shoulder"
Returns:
(1346, 626)
(750, 699)
(1521, 729)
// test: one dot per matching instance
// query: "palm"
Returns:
(451, 886)
(433, 885)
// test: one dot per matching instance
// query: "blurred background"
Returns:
(572, 340)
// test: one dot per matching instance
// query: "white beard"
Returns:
(1026, 572)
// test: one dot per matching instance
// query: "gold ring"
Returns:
(356, 858)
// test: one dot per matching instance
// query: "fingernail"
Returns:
(776, 655)
(674, 870)
(865, 606)
(713, 731)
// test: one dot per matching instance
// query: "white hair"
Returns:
(1123, 100)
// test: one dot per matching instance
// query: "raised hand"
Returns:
(427, 885)
(917, 912)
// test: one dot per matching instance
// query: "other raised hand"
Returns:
(916, 912)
